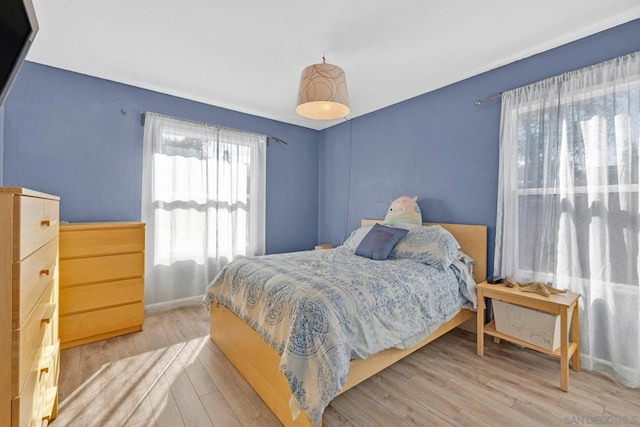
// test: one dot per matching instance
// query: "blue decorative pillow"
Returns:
(432, 245)
(356, 237)
(379, 242)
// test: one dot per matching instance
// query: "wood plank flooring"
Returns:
(171, 374)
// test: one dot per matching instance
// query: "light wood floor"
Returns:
(171, 374)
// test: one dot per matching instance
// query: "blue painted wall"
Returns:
(64, 134)
(439, 146)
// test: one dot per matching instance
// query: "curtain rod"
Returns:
(487, 99)
(144, 113)
(564, 75)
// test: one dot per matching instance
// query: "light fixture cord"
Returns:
(348, 195)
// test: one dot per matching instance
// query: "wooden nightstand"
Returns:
(557, 304)
(323, 246)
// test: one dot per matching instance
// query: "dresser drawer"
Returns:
(49, 371)
(99, 295)
(100, 269)
(82, 325)
(50, 363)
(37, 223)
(101, 280)
(25, 411)
(30, 278)
(87, 240)
(35, 402)
(29, 225)
(36, 333)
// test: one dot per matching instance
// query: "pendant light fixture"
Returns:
(323, 92)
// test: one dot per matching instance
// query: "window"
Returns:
(203, 203)
(582, 157)
(568, 202)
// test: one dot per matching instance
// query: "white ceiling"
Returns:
(247, 55)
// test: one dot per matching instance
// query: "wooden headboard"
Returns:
(472, 239)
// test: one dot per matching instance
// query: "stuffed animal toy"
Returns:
(404, 210)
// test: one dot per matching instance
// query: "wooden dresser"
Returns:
(101, 281)
(29, 345)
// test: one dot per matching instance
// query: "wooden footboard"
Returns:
(258, 363)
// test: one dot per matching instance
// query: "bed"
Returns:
(259, 363)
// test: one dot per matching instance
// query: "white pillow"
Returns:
(356, 237)
(431, 244)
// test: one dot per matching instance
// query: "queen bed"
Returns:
(304, 327)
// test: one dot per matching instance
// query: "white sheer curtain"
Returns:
(203, 202)
(568, 202)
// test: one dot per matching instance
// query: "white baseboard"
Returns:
(168, 305)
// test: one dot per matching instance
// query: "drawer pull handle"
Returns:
(44, 272)
(48, 355)
(47, 315)
(48, 222)
(47, 405)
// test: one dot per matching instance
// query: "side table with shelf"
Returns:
(555, 304)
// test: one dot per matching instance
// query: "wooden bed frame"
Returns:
(258, 363)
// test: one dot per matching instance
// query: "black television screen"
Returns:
(18, 27)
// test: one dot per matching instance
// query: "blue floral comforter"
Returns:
(320, 309)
